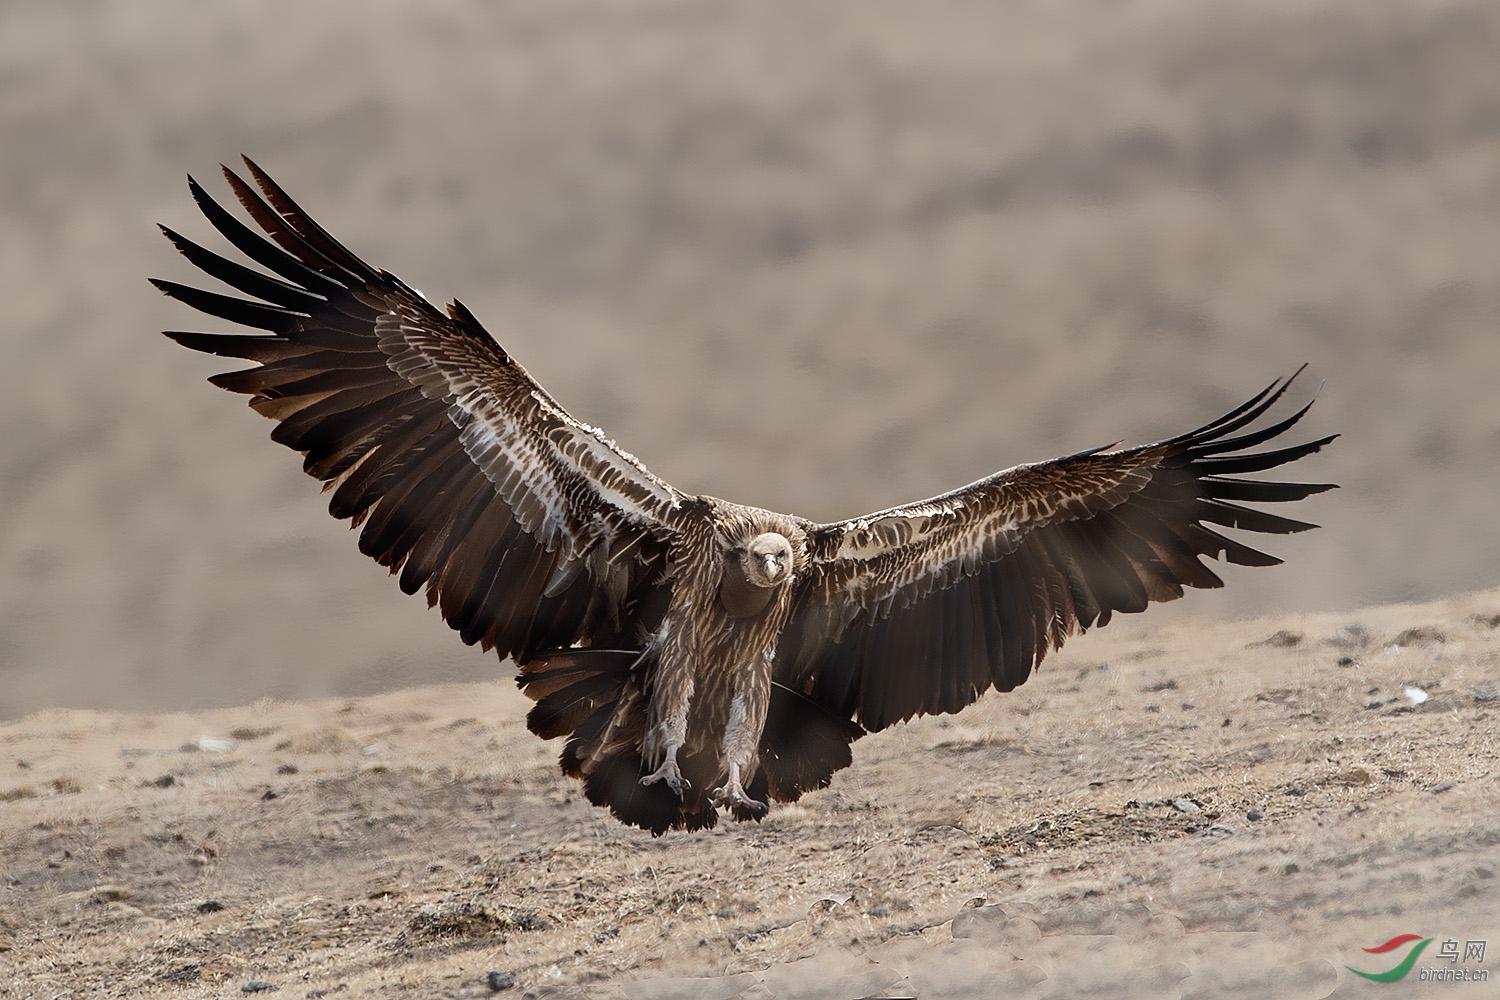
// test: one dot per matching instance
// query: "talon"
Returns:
(731, 795)
(669, 773)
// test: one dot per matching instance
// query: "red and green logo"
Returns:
(1402, 967)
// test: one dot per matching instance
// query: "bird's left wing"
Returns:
(529, 529)
(922, 608)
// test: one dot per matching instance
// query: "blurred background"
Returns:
(819, 257)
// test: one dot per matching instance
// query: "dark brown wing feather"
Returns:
(528, 529)
(922, 608)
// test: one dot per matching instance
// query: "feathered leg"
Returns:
(747, 717)
(668, 733)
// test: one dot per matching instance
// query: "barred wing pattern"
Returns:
(529, 529)
(922, 608)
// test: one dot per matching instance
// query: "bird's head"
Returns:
(767, 560)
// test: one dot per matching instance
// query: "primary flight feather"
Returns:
(696, 653)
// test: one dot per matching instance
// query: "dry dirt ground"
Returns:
(1202, 810)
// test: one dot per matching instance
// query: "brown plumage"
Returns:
(695, 653)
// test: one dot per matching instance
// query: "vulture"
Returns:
(698, 655)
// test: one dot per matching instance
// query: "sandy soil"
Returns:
(1204, 810)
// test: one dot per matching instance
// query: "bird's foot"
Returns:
(669, 773)
(731, 795)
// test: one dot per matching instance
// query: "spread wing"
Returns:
(922, 608)
(528, 529)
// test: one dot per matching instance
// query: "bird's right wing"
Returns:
(528, 529)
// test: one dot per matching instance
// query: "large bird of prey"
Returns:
(696, 653)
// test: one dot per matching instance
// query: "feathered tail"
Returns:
(593, 697)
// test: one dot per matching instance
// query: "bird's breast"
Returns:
(740, 598)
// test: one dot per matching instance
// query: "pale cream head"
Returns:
(768, 560)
